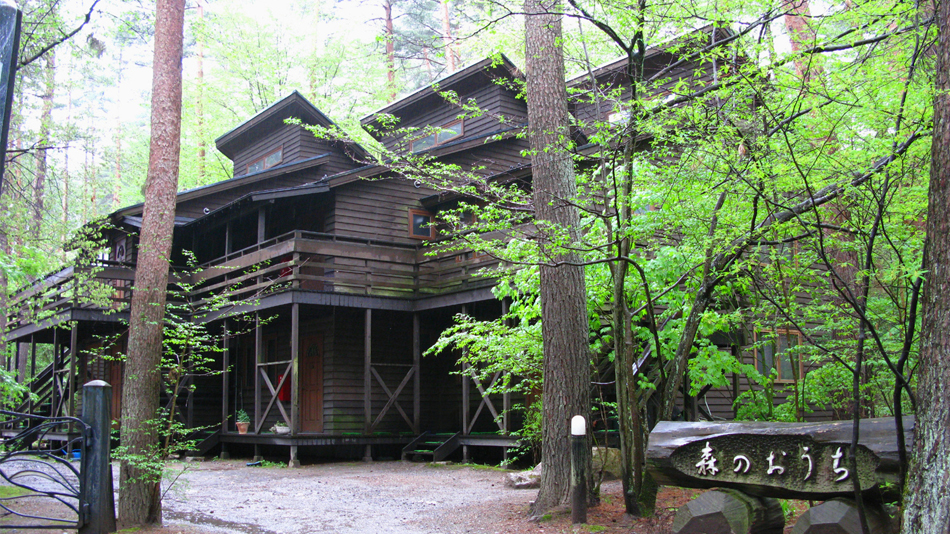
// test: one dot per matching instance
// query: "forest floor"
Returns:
(225, 496)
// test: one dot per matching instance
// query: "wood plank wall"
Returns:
(494, 99)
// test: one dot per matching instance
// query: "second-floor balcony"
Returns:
(298, 260)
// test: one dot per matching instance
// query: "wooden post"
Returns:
(367, 372)
(294, 459)
(225, 365)
(261, 225)
(416, 379)
(258, 355)
(227, 238)
(73, 358)
(368, 379)
(53, 379)
(32, 368)
(295, 370)
(22, 357)
(96, 469)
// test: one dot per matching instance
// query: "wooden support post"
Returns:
(23, 356)
(465, 400)
(225, 454)
(294, 374)
(32, 368)
(53, 379)
(506, 396)
(416, 380)
(257, 453)
(261, 225)
(367, 372)
(225, 365)
(294, 459)
(258, 356)
(227, 239)
(188, 381)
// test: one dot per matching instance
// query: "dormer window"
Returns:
(266, 162)
(446, 133)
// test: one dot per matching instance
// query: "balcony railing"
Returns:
(104, 285)
(295, 260)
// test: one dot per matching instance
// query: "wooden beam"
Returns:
(465, 388)
(506, 396)
(258, 355)
(33, 367)
(227, 239)
(416, 381)
(52, 394)
(225, 365)
(261, 225)
(295, 371)
(367, 366)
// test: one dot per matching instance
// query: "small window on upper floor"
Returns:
(446, 133)
(421, 224)
(271, 159)
(778, 351)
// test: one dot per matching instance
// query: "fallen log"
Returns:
(782, 460)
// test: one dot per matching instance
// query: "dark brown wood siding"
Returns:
(287, 136)
(496, 101)
(344, 370)
(376, 209)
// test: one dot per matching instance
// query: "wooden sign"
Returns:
(782, 460)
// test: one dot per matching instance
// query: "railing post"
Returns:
(96, 483)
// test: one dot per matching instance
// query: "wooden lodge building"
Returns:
(353, 296)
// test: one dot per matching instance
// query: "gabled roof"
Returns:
(272, 117)
(477, 74)
(616, 67)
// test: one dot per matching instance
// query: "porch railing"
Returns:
(298, 260)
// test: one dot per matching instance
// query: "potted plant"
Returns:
(280, 427)
(242, 421)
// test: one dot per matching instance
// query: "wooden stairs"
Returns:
(432, 447)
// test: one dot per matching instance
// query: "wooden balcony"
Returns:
(105, 286)
(296, 260)
(329, 263)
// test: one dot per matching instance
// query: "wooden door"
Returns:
(311, 384)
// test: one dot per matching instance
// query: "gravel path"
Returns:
(390, 497)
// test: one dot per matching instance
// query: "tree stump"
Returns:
(840, 516)
(727, 511)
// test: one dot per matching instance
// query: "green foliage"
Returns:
(241, 416)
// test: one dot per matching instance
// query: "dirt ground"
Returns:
(225, 496)
(379, 497)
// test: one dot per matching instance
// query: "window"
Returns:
(446, 133)
(266, 162)
(420, 225)
(775, 350)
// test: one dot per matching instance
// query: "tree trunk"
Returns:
(139, 497)
(390, 48)
(563, 298)
(927, 509)
(46, 122)
(450, 56)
